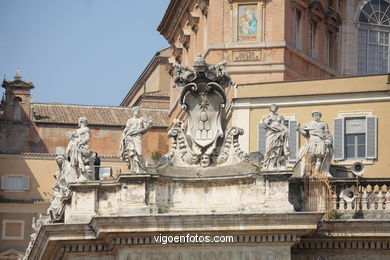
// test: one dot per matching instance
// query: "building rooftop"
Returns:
(96, 115)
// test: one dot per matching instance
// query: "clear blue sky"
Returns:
(79, 51)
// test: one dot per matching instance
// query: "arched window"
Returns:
(373, 38)
(17, 109)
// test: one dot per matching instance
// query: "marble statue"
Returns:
(36, 226)
(63, 176)
(276, 144)
(56, 205)
(64, 173)
(131, 141)
(77, 152)
(204, 142)
(317, 154)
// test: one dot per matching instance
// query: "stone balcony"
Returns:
(352, 198)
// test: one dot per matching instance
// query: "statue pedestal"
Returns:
(277, 190)
(135, 194)
(252, 192)
(128, 195)
(316, 195)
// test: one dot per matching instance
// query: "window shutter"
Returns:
(261, 140)
(3, 182)
(26, 183)
(293, 139)
(338, 135)
(371, 136)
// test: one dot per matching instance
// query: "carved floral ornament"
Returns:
(205, 141)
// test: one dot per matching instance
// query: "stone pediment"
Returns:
(11, 253)
(17, 83)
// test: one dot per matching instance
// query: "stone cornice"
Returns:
(17, 83)
(52, 156)
(156, 60)
(180, 18)
(311, 99)
(170, 22)
(354, 228)
(348, 234)
(294, 223)
(102, 234)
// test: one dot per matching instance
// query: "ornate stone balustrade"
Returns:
(351, 198)
(361, 198)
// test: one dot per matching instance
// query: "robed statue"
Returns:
(276, 143)
(81, 159)
(131, 141)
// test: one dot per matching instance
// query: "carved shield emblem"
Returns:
(204, 117)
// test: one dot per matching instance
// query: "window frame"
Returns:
(330, 46)
(363, 30)
(355, 144)
(24, 189)
(355, 114)
(313, 31)
(297, 28)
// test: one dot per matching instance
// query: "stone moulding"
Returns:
(210, 191)
(105, 235)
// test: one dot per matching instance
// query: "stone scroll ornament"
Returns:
(204, 142)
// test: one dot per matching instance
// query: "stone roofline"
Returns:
(156, 60)
(315, 79)
(98, 106)
(51, 156)
(36, 121)
(90, 124)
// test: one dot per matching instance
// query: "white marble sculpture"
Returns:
(36, 226)
(56, 206)
(204, 142)
(64, 173)
(276, 144)
(63, 176)
(77, 152)
(317, 154)
(131, 141)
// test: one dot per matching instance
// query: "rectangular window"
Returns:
(312, 39)
(362, 52)
(373, 50)
(329, 48)
(15, 182)
(355, 137)
(296, 29)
